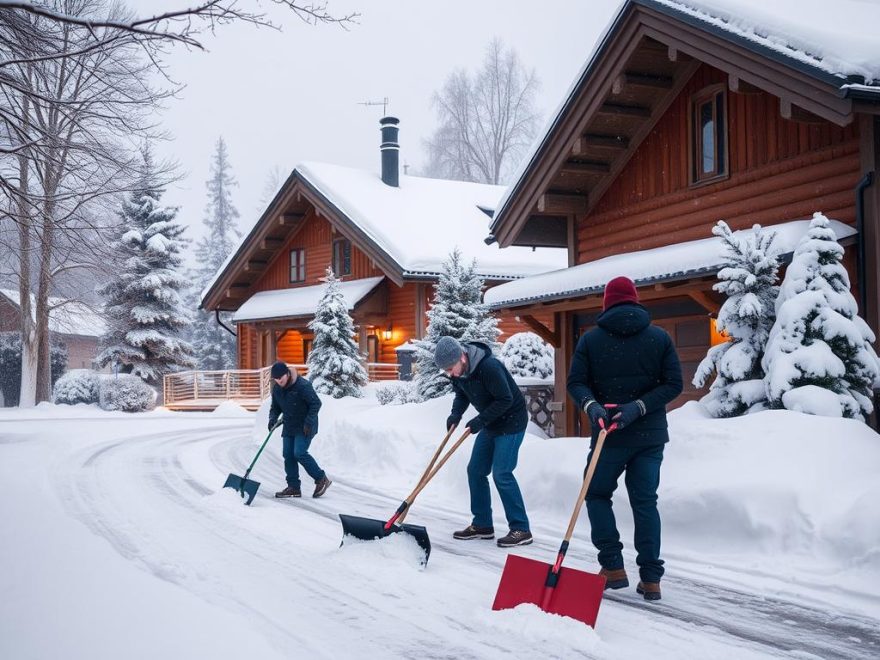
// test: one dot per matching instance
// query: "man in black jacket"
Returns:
(623, 373)
(296, 398)
(480, 379)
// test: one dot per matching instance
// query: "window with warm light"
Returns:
(716, 336)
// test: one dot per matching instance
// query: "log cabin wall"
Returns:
(315, 236)
(779, 170)
(402, 302)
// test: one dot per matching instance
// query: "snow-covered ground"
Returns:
(118, 541)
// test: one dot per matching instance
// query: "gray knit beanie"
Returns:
(447, 352)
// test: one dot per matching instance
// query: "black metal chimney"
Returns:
(390, 148)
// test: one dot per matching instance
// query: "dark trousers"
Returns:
(642, 466)
(496, 454)
(296, 453)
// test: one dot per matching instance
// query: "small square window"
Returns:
(708, 135)
(297, 265)
(342, 257)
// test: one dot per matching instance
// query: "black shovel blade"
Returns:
(245, 487)
(369, 529)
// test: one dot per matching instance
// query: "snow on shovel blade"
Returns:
(369, 529)
(577, 594)
(245, 487)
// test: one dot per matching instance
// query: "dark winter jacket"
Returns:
(300, 405)
(490, 388)
(627, 359)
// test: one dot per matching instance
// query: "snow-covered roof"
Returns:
(837, 39)
(665, 263)
(300, 301)
(66, 317)
(420, 222)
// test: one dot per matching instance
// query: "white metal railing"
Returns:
(242, 384)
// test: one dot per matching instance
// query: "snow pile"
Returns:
(128, 393)
(230, 409)
(77, 386)
(397, 392)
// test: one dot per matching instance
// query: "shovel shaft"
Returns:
(594, 460)
(262, 447)
(402, 513)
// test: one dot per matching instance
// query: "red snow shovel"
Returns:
(557, 590)
(368, 529)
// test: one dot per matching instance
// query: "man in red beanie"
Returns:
(624, 372)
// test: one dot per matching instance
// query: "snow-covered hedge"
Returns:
(77, 386)
(127, 393)
(526, 354)
(397, 393)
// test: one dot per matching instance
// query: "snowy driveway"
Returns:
(191, 571)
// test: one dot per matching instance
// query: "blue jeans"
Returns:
(642, 466)
(296, 452)
(496, 454)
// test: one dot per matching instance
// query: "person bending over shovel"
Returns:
(482, 380)
(295, 397)
(623, 373)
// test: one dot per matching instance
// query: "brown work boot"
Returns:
(615, 578)
(515, 537)
(321, 486)
(650, 590)
(290, 491)
(470, 532)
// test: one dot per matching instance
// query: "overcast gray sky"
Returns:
(279, 98)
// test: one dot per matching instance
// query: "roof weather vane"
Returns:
(384, 103)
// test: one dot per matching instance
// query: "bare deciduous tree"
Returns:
(76, 105)
(487, 120)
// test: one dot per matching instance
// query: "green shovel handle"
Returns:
(262, 447)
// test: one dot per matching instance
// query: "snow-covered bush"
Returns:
(526, 354)
(126, 392)
(748, 279)
(77, 386)
(818, 340)
(398, 393)
(457, 311)
(334, 363)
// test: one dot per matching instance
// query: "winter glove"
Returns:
(271, 424)
(627, 413)
(452, 421)
(597, 411)
(476, 425)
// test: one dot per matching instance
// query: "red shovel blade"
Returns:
(577, 594)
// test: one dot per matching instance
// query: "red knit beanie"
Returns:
(620, 290)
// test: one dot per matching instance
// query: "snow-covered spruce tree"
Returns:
(213, 345)
(457, 311)
(526, 354)
(142, 302)
(334, 364)
(818, 341)
(748, 279)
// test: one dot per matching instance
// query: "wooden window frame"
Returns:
(338, 268)
(714, 94)
(300, 274)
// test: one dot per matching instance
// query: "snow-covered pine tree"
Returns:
(748, 279)
(142, 302)
(334, 363)
(214, 346)
(457, 311)
(818, 341)
(526, 354)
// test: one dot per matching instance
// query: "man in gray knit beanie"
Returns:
(447, 352)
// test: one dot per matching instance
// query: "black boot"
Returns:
(471, 532)
(290, 491)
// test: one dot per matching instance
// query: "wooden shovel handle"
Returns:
(425, 473)
(594, 459)
(409, 500)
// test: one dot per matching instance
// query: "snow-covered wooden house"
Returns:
(384, 234)
(688, 112)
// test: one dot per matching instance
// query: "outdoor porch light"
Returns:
(716, 336)
(386, 333)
